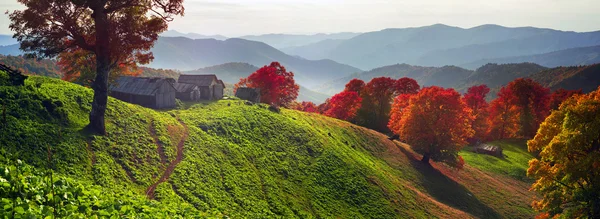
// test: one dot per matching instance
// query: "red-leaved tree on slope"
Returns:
(378, 96)
(344, 105)
(504, 116)
(533, 101)
(277, 86)
(355, 85)
(436, 123)
(306, 106)
(398, 108)
(112, 30)
(475, 100)
(560, 95)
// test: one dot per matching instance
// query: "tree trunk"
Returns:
(426, 157)
(100, 84)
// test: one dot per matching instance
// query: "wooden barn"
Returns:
(211, 88)
(250, 94)
(187, 92)
(489, 149)
(157, 93)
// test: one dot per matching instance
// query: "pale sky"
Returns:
(241, 17)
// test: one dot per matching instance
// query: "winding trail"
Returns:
(159, 146)
(165, 176)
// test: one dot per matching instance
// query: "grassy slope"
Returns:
(246, 161)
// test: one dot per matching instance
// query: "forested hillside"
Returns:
(447, 76)
(586, 78)
(239, 160)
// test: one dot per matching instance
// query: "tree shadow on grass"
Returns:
(448, 191)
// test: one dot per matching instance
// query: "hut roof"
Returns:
(222, 83)
(200, 80)
(184, 87)
(139, 85)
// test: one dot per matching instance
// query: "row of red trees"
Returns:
(438, 122)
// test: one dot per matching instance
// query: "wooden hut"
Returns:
(157, 93)
(187, 92)
(489, 149)
(250, 94)
(211, 88)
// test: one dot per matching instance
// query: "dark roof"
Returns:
(139, 85)
(183, 87)
(200, 80)
(221, 82)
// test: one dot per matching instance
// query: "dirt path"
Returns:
(159, 146)
(165, 176)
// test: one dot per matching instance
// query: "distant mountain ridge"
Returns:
(186, 54)
(440, 45)
(6, 40)
(568, 57)
(281, 41)
(447, 76)
(586, 78)
(174, 33)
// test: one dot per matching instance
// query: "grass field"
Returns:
(513, 164)
(246, 161)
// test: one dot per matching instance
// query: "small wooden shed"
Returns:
(250, 94)
(187, 92)
(211, 88)
(151, 92)
(489, 149)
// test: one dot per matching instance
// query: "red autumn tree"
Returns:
(475, 100)
(436, 123)
(111, 30)
(344, 105)
(406, 86)
(399, 106)
(560, 95)
(378, 96)
(78, 67)
(323, 107)
(504, 116)
(355, 85)
(306, 106)
(277, 85)
(531, 99)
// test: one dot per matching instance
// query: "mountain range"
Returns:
(187, 54)
(568, 57)
(439, 45)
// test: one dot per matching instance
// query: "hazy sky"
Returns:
(240, 17)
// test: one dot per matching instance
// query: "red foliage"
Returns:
(532, 100)
(322, 108)
(475, 100)
(277, 86)
(400, 104)
(504, 116)
(406, 86)
(355, 85)
(344, 105)
(306, 106)
(561, 95)
(436, 123)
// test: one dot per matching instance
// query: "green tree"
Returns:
(567, 171)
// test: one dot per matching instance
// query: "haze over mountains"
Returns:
(187, 54)
(325, 62)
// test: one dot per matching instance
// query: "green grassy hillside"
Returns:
(243, 161)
